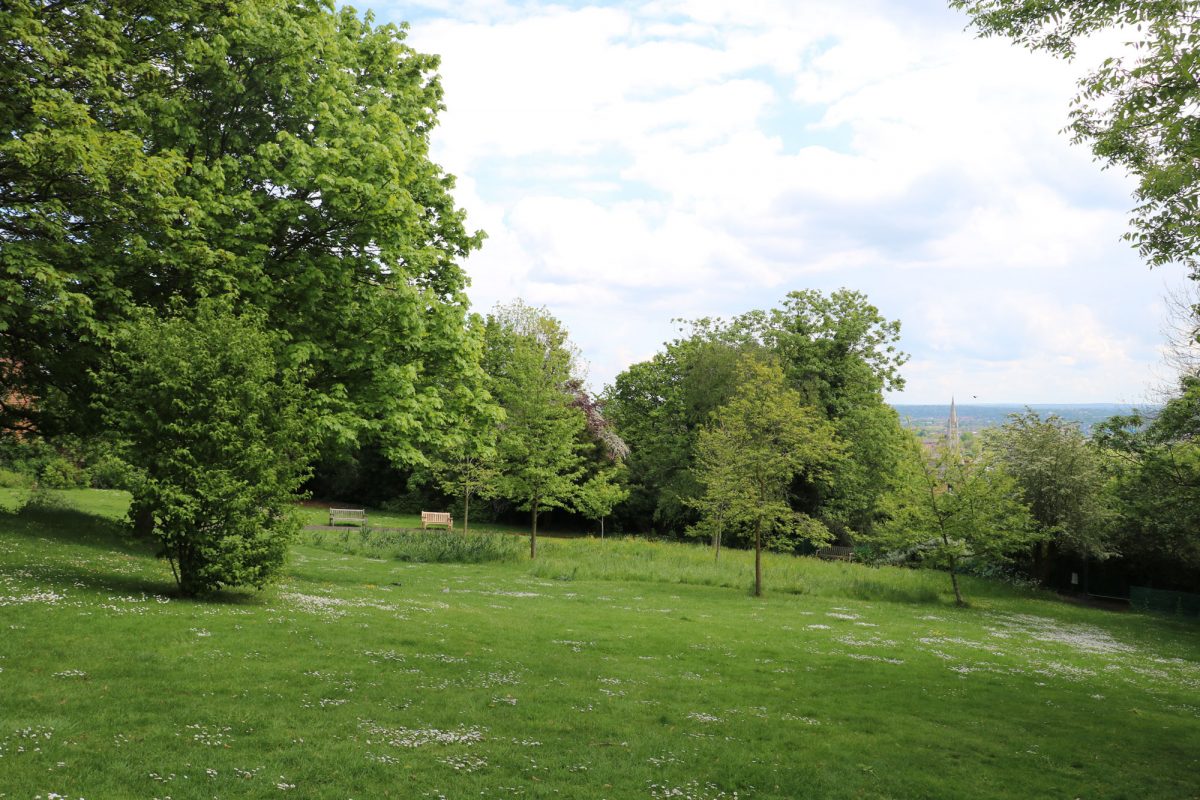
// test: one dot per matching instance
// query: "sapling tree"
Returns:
(753, 449)
(469, 469)
(946, 508)
(1062, 478)
(219, 435)
(599, 495)
(531, 362)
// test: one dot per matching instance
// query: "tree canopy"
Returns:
(751, 451)
(946, 508)
(273, 152)
(532, 367)
(837, 351)
(1157, 468)
(1063, 481)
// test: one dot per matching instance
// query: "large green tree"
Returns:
(540, 451)
(275, 152)
(1136, 109)
(1156, 461)
(752, 450)
(1063, 481)
(659, 406)
(837, 350)
(219, 438)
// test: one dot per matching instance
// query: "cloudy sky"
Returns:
(634, 162)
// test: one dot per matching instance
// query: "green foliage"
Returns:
(1156, 464)
(539, 452)
(1062, 479)
(11, 479)
(218, 434)
(1136, 111)
(276, 152)
(836, 350)
(59, 473)
(432, 546)
(753, 449)
(946, 508)
(659, 407)
(467, 465)
(600, 494)
(110, 471)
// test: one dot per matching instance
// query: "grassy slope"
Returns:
(576, 678)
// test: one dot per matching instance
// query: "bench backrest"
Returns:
(436, 517)
(354, 515)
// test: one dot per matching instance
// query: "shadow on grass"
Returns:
(68, 525)
(61, 524)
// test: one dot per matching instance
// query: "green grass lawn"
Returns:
(615, 669)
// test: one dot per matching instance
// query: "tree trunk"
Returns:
(602, 527)
(958, 598)
(533, 532)
(717, 544)
(757, 559)
(143, 522)
(466, 513)
(1042, 560)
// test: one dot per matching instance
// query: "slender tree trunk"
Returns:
(602, 527)
(958, 598)
(1042, 557)
(466, 512)
(757, 559)
(717, 544)
(533, 531)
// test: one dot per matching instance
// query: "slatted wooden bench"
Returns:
(353, 516)
(836, 553)
(436, 518)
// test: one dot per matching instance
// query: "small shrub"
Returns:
(43, 498)
(59, 473)
(110, 472)
(11, 479)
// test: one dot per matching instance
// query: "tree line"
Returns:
(231, 274)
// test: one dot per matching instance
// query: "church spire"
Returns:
(953, 441)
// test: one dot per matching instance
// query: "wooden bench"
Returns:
(354, 516)
(436, 518)
(836, 553)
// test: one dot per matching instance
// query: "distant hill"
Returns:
(978, 417)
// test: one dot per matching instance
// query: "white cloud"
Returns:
(639, 162)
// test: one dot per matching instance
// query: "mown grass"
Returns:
(607, 669)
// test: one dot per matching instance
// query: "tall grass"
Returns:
(631, 559)
(429, 546)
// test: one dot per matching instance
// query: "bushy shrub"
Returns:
(59, 473)
(12, 479)
(111, 472)
(220, 437)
